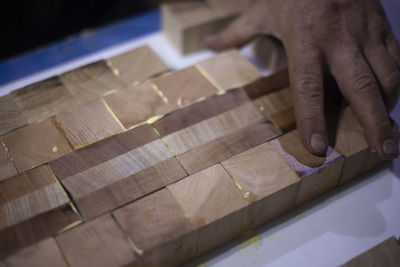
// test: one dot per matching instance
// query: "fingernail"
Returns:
(389, 147)
(318, 143)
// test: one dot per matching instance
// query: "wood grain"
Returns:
(35, 144)
(136, 104)
(267, 84)
(216, 208)
(270, 184)
(96, 243)
(227, 146)
(184, 87)
(91, 82)
(87, 124)
(44, 99)
(229, 70)
(137, 65)
(7, 167)
(159, 228)
(11, 116)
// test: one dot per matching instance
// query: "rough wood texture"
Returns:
(43, 253)
(385, 254)
(43, 99)
(91, 82)
(35, 144)
(267, 180)
(137, 65)
(318, 173)
(184, 87)
(7, 167)
(159, 228)
(216, 208)
(136, 104)
(227, 146)
(100, 242)
(87, 124)
(229, 70)
(10, 116)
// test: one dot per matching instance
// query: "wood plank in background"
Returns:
(35, 144)
(7, 167)
(158, 227)
(11, 116)
(43, 99)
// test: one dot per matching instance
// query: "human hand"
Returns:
(350, 39)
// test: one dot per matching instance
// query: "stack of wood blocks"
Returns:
(125, 162)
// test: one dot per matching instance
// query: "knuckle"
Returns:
(309, 85)
(363, 82)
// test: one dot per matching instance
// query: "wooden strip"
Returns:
(268, 84)
(136, 104)
(137, 65)
(7, 167)
(91, 82)
(213, 128)
(35, 144)
(184, 87)
(87, 124)
(10, 116)
(268, 181)
(43, 253)
(199, 111)
(43, 99)
(159, 228)
(99, 152)
(229, 70)
(97, 243)
(227, 146)
(216, 208)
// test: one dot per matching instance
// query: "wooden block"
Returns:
(270, 184)
(43, 253)
(159, 229)
(268, 84)
(35, 144)
(10, 116)
(229, 70)
(212, 128)
(87, 124)
(43, 99)
(188, 23)
(91, 82)
(137, 104)
(184, 87)
(216, 208)
(199, 111)
(227, 146)
(102, 151)
(385, 254)
(7, 167)
(318, 173)
(100, 242)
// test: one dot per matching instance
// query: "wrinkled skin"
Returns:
(350, 39)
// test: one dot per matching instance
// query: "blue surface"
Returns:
(77, 46)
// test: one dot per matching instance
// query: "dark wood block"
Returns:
(11, 116)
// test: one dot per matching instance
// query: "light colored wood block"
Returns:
(229, 70)
(318, 173)
(35, 144)
(91, 82)
(212, 128)
(159, 229)
(7, 167)
(385, 254)
(44, 99)
(99, 242)
(184, 87)
(11, 116)
(266, 85)
(137, 104)
(216, 208)
(227, 146)
(137, 65)
(88, 123)
(43, 253)
(267, 180)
